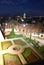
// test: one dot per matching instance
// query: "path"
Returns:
(41, 41)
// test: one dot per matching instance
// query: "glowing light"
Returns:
(22, 20)
(6, 24)
(24, 25)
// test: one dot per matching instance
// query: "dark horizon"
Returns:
(18, 7)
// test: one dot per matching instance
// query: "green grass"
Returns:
(26, 52)
(13, 35)
(28, 40)
(19, 42)
(6, 44)
(11, 57)
(41, 50)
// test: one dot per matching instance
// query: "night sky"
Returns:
(18, 7)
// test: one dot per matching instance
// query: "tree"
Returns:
(12, 28)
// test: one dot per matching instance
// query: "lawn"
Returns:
(30, 55)
(41, 50)
(28, 40)
(11, 59)
(19, 42)
(6, 44)
(12, 33)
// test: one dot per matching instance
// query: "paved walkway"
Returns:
(1, 56)
(22, 59)
(1, 59)
(41, 41)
